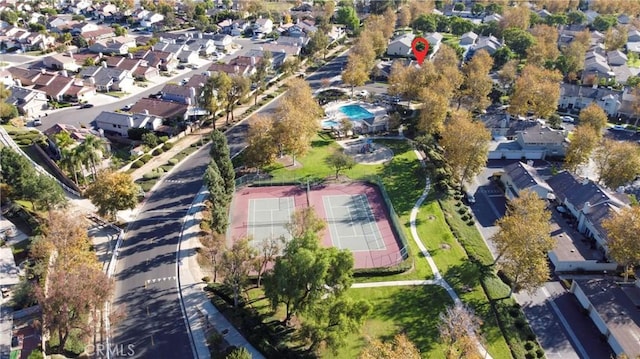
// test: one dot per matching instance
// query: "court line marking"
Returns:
(356, 203)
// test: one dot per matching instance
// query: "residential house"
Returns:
(6, 78)
(188, 56)
(107, 79)
(104, 11)
(595, 65)
(181, 94)
(77, 134)
(613, 308)
(197, 81)
(53, 85)
(401, 45)
(29, 102)
(336, 33)
(175, 49)
(262, 26)
(533, 143)
(230, 69)
(99, 34)
(38, 41)
(591, 15)
(24, 77)
(468, 39)
(434, 39)
(277, 58)
(288, 50)
(308, 26)
(145, 72)
(490, 44)
(633, 41)
(616, 58)
(225, 26)
(520, 176)
(237, 28)
(164, 61)
(83, 27)
(574, 98)
(58, 21)
(120, 123)
(61, 62)
(204, 47)
(492, 17)
(222, 42)
(544, 13)
(588, 203)
(166, 110)
(116, 46)
(151, 19)
(78, 91)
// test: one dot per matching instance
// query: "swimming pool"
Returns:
(329, 124)
(356, 112)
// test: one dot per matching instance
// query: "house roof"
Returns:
(524, 176)
(197, 81)
(177, 90)
(21, 95)
(57, 86)
(616, 308)
(228, 68)
(542, 134)
(469, 35)
(405, 39)
(62, 58)
(79, 134)
(585, 194)
(98, 33)
(136, 120)
(287, 49)
(570, 90)
(163, 109)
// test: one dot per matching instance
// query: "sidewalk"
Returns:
(203, 317)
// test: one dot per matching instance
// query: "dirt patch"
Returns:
(287, 162)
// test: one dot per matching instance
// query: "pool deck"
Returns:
(334, 113)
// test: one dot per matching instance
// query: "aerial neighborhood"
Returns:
(320, 179)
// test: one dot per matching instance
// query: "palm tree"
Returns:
(92, 149)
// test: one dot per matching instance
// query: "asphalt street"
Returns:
(146, 285)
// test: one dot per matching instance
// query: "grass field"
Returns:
(413, 310)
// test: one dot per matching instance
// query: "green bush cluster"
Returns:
(137, 164)
(157, 151)
(167, 146)
(173, 161)
(163, 139)
(146, 158)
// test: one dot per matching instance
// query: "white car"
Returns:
(567, 119)
(37, 122)
(127, 107)
(617, 128)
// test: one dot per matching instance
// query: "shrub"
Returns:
(157, 151)
(163, 139)
(463, 210)
(530, 356)
(151, 175)
(540, 353)
(167, 146)
(464, 217)
(25, 142)
(206, 279)
(528, 346)
(137, 164)
(146, 158)
(471, 222)
(173, 161)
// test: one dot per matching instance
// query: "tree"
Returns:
(355, 74)
(210, 100)
(603, 23)
(583, 142)
(477, 83)
(339, 161)
(261, 147)
(67, 236)
(433, 112)
(305, 220)
(16, 171)
(150, 139)
(466, 145)
(69, 299)
(296, 119)
(239, 353)
(92, 148)
(318, 43)
(544, 47)
(459, 328)
(515, 17)
(213, 245)
(508, 74)
(236, 91)
(112, 192)
(576, 17)
(330, 322)
(346, 125)
(347, 16)
(236, 264)
(536, 90)
(219, 200)
(518, 40)
(221, 155)
(615, 38)
(594, 116)
(399, 348)
(622, 237)
(306, 272)
(46, 193)
(268, 250)
(523, 241)
(617, 162)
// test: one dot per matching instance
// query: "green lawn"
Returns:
(633, 62)
(413, 310)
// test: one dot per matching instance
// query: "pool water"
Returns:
(356, 112)
(330, 124)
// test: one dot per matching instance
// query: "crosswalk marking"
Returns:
(158, 280)
(175, 181)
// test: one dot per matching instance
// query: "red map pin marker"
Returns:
(420, 54)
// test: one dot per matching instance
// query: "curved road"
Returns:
(146, 286)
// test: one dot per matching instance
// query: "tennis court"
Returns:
(356, 215)
(268, 217)
(352, 224)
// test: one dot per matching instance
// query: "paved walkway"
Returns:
(202, 315)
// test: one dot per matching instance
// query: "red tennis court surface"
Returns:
(356, 215)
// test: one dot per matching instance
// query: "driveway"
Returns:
(551, 310)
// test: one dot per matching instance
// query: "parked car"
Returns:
(567, 119)
(87, 105)
(471, 199)
(37, 122)
(180, 67)
(127, 107)
(617, 128)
